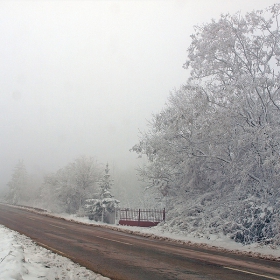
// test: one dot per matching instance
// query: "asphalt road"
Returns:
(120, 255)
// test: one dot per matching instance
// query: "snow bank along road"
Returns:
(120, 255)
(22, 259)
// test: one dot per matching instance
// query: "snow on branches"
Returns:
(219, 135)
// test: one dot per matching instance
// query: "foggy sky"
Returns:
(82, 77)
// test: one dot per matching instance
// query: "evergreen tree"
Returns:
(103, 209)
(105, 184)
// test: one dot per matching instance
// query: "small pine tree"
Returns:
(103, 209)
(105, 184)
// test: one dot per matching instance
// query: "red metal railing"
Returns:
(141, 217)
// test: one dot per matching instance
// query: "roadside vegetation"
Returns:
(213, 151)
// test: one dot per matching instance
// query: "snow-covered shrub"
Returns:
(93, 208)
(102, 210)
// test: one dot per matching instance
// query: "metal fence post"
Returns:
(139, 217)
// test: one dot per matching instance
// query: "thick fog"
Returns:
(83, 77)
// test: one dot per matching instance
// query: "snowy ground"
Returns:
(22, 259)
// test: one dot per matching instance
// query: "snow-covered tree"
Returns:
(236, 63)
(105, 184)
(103, 208)
(69, 187)
(217, 140)
(18, 183)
